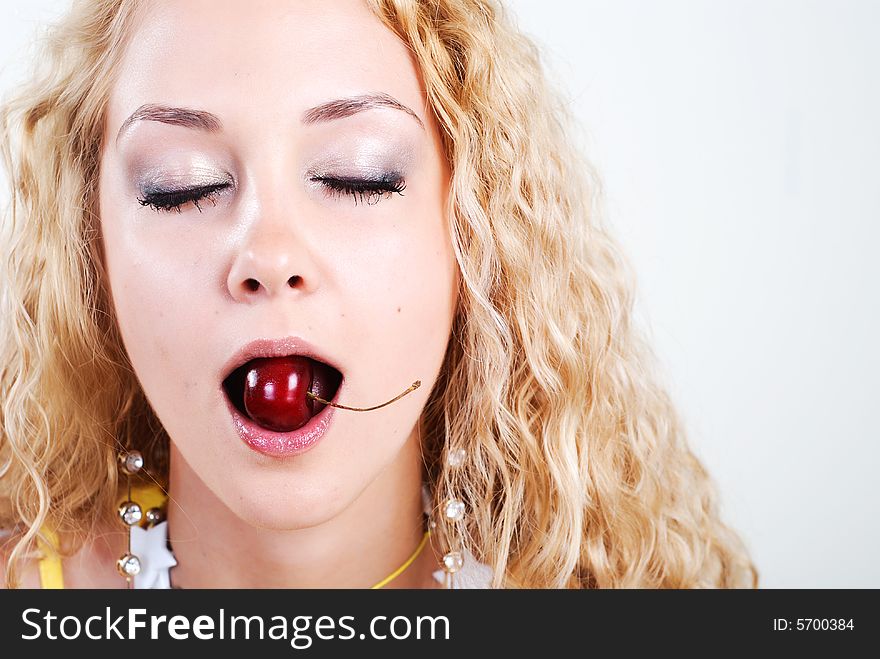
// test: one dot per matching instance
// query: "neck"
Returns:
(357, 548)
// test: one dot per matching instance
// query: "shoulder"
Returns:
(90, 564)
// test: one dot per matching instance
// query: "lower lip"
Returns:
(282, 444)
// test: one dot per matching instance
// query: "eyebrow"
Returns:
(211, 123)
(198, 119)
(345, 107)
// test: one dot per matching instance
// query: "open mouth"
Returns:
(278, 393)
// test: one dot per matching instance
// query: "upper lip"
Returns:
(289, 345)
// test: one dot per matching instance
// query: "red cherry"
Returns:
(275, 392)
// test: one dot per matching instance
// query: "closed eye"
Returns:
(369, 190)
(170, 200)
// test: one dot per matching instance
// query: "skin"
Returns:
(376, 287)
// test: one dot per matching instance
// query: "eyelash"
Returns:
(169, 200)
(373, 189)
(358, 189)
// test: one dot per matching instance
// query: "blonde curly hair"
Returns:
(578, 473)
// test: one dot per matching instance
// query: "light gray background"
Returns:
(739, 143)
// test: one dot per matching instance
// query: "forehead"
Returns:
(260, 60)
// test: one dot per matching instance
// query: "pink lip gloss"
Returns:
(281, 444)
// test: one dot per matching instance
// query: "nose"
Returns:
(271, 261)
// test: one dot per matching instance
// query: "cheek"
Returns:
(403, 310)
(154, 285)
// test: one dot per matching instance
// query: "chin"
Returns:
(289, 507)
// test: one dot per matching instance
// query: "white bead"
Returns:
(132, 462)
(130, 512)
(453, 562)
(457, 457)
(129, 565)
(453, 509)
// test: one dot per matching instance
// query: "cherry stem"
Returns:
(415, 385)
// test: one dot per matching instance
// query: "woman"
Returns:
(235, 223)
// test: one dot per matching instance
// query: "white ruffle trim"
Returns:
(472, 574)
(151, 547)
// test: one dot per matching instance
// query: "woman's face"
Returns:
(274, 251)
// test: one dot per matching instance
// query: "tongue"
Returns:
(275, 392)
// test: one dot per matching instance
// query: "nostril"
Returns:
(293, 281)
(252, 285)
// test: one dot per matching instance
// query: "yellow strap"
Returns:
(409, 561)
(51, 574)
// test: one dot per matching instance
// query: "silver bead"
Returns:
(130, 512)
(453, 562)
(128, 565)
(154, 516)
(457, 457)
(453, 509)
(131, 462)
